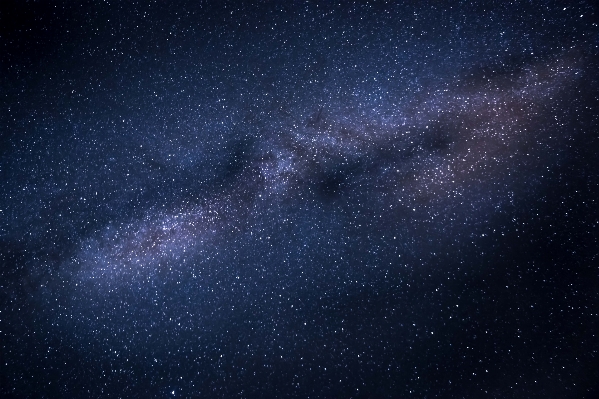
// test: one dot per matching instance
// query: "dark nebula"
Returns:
(299, 199)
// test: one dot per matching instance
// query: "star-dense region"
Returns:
(307, 199)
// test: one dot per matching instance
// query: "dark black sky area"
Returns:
(299, 199)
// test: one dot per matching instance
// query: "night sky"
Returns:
(299, 199)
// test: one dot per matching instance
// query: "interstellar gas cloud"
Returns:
(306, 199)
